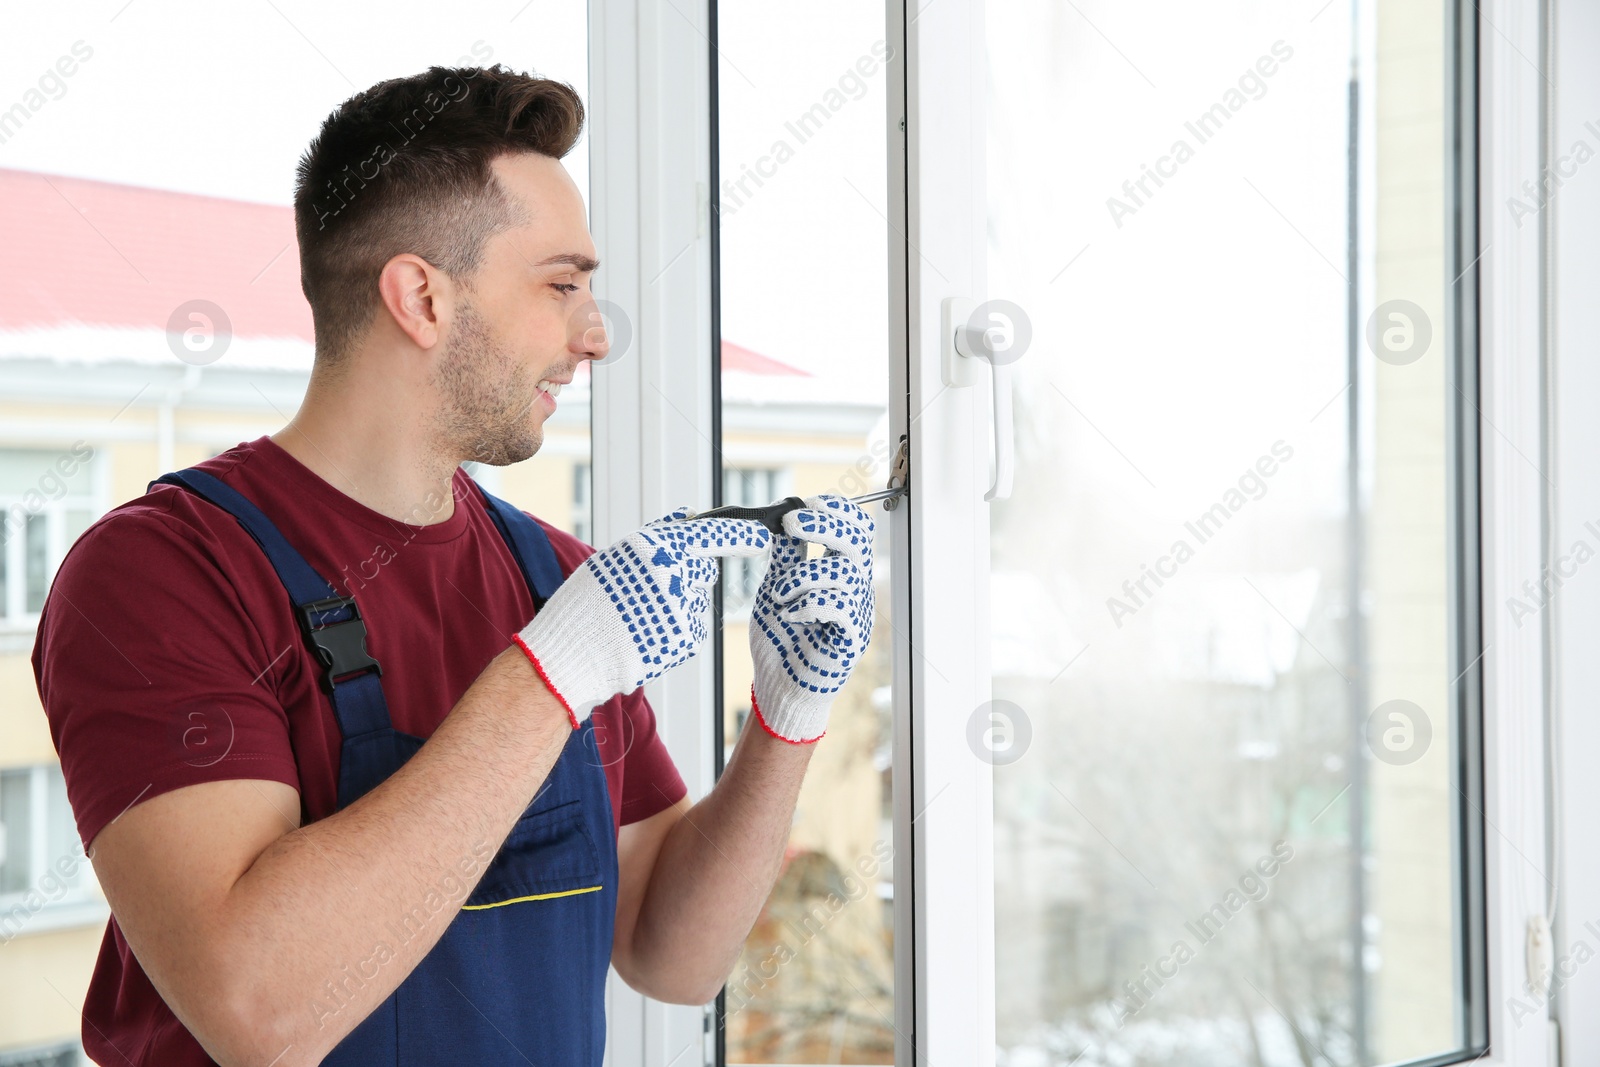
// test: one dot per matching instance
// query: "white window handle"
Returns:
(970, 338)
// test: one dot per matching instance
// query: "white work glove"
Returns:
(812, 618)
(635, 610)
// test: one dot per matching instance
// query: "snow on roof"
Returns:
(96, 269)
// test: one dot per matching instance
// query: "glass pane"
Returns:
(1224, 792)
(801, 107)
(36, 476)
(63, 849)
(36, 562)
(78, 520)
(16, 831)
(583, 501)
(742, 577)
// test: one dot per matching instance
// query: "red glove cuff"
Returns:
(538, 667)
(756, 707)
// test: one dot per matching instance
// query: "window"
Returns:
(1078, 99)
(67, 1054)
(583, 502)
(1227, 703)
(47, 500)
(42, 863)
(741, 577)
(804, 398)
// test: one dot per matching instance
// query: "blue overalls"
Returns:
(519, 976)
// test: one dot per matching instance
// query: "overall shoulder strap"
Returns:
(529, 545)
(331, 623)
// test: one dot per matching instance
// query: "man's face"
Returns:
(525, 323)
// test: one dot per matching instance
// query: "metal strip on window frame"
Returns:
(1465, 509)
(945, 999)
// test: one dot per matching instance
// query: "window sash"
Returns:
(649, 173)
(943, 796)
(648, 207)
(942, 205)
(1509, 313)
(44, 849)
(19, 578)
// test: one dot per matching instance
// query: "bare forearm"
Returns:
(715, 871)
(334, 915)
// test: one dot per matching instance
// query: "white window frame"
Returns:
(649, 93)
(15, 619)
(953, 949)
(81, 905)
(1572, 390)
(649, 174)
(945, 990)
(1511, 335)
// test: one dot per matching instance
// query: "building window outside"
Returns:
(746, 487)
(583, 502)
(41, 859)
(61, 1054)
(47, 501)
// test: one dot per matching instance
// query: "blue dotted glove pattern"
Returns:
(633, 611)
(815, 615)
(660, 581)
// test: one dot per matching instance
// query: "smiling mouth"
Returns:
(547, 390)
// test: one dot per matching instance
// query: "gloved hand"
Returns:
(812, 618)
(635, 610)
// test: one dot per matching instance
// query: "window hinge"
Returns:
(899, 479)
(899, 473)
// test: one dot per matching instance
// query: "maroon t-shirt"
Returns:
(168, 654)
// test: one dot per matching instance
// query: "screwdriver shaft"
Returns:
(881, 494)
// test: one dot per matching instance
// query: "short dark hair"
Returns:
(404, 167)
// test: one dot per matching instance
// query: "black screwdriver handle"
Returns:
(770, 516)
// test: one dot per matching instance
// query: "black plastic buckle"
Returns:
(341, 647)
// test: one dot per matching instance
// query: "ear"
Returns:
(417, 296)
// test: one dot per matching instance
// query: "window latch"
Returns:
(969, 339)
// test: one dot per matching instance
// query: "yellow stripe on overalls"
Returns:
(539, 896)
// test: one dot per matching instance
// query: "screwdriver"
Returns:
(771, 516)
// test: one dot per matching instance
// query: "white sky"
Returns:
(221, 99)
(805, 256)
(1211, 322)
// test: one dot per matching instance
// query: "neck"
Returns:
(368, 437)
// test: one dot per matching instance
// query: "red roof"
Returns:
(739, 358)
(117, 255)
(107, 254)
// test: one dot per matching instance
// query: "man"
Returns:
(347, 802)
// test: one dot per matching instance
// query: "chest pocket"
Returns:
(549, 853)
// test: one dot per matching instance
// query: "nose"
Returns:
(590, 337)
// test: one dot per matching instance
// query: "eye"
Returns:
(563, 287)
